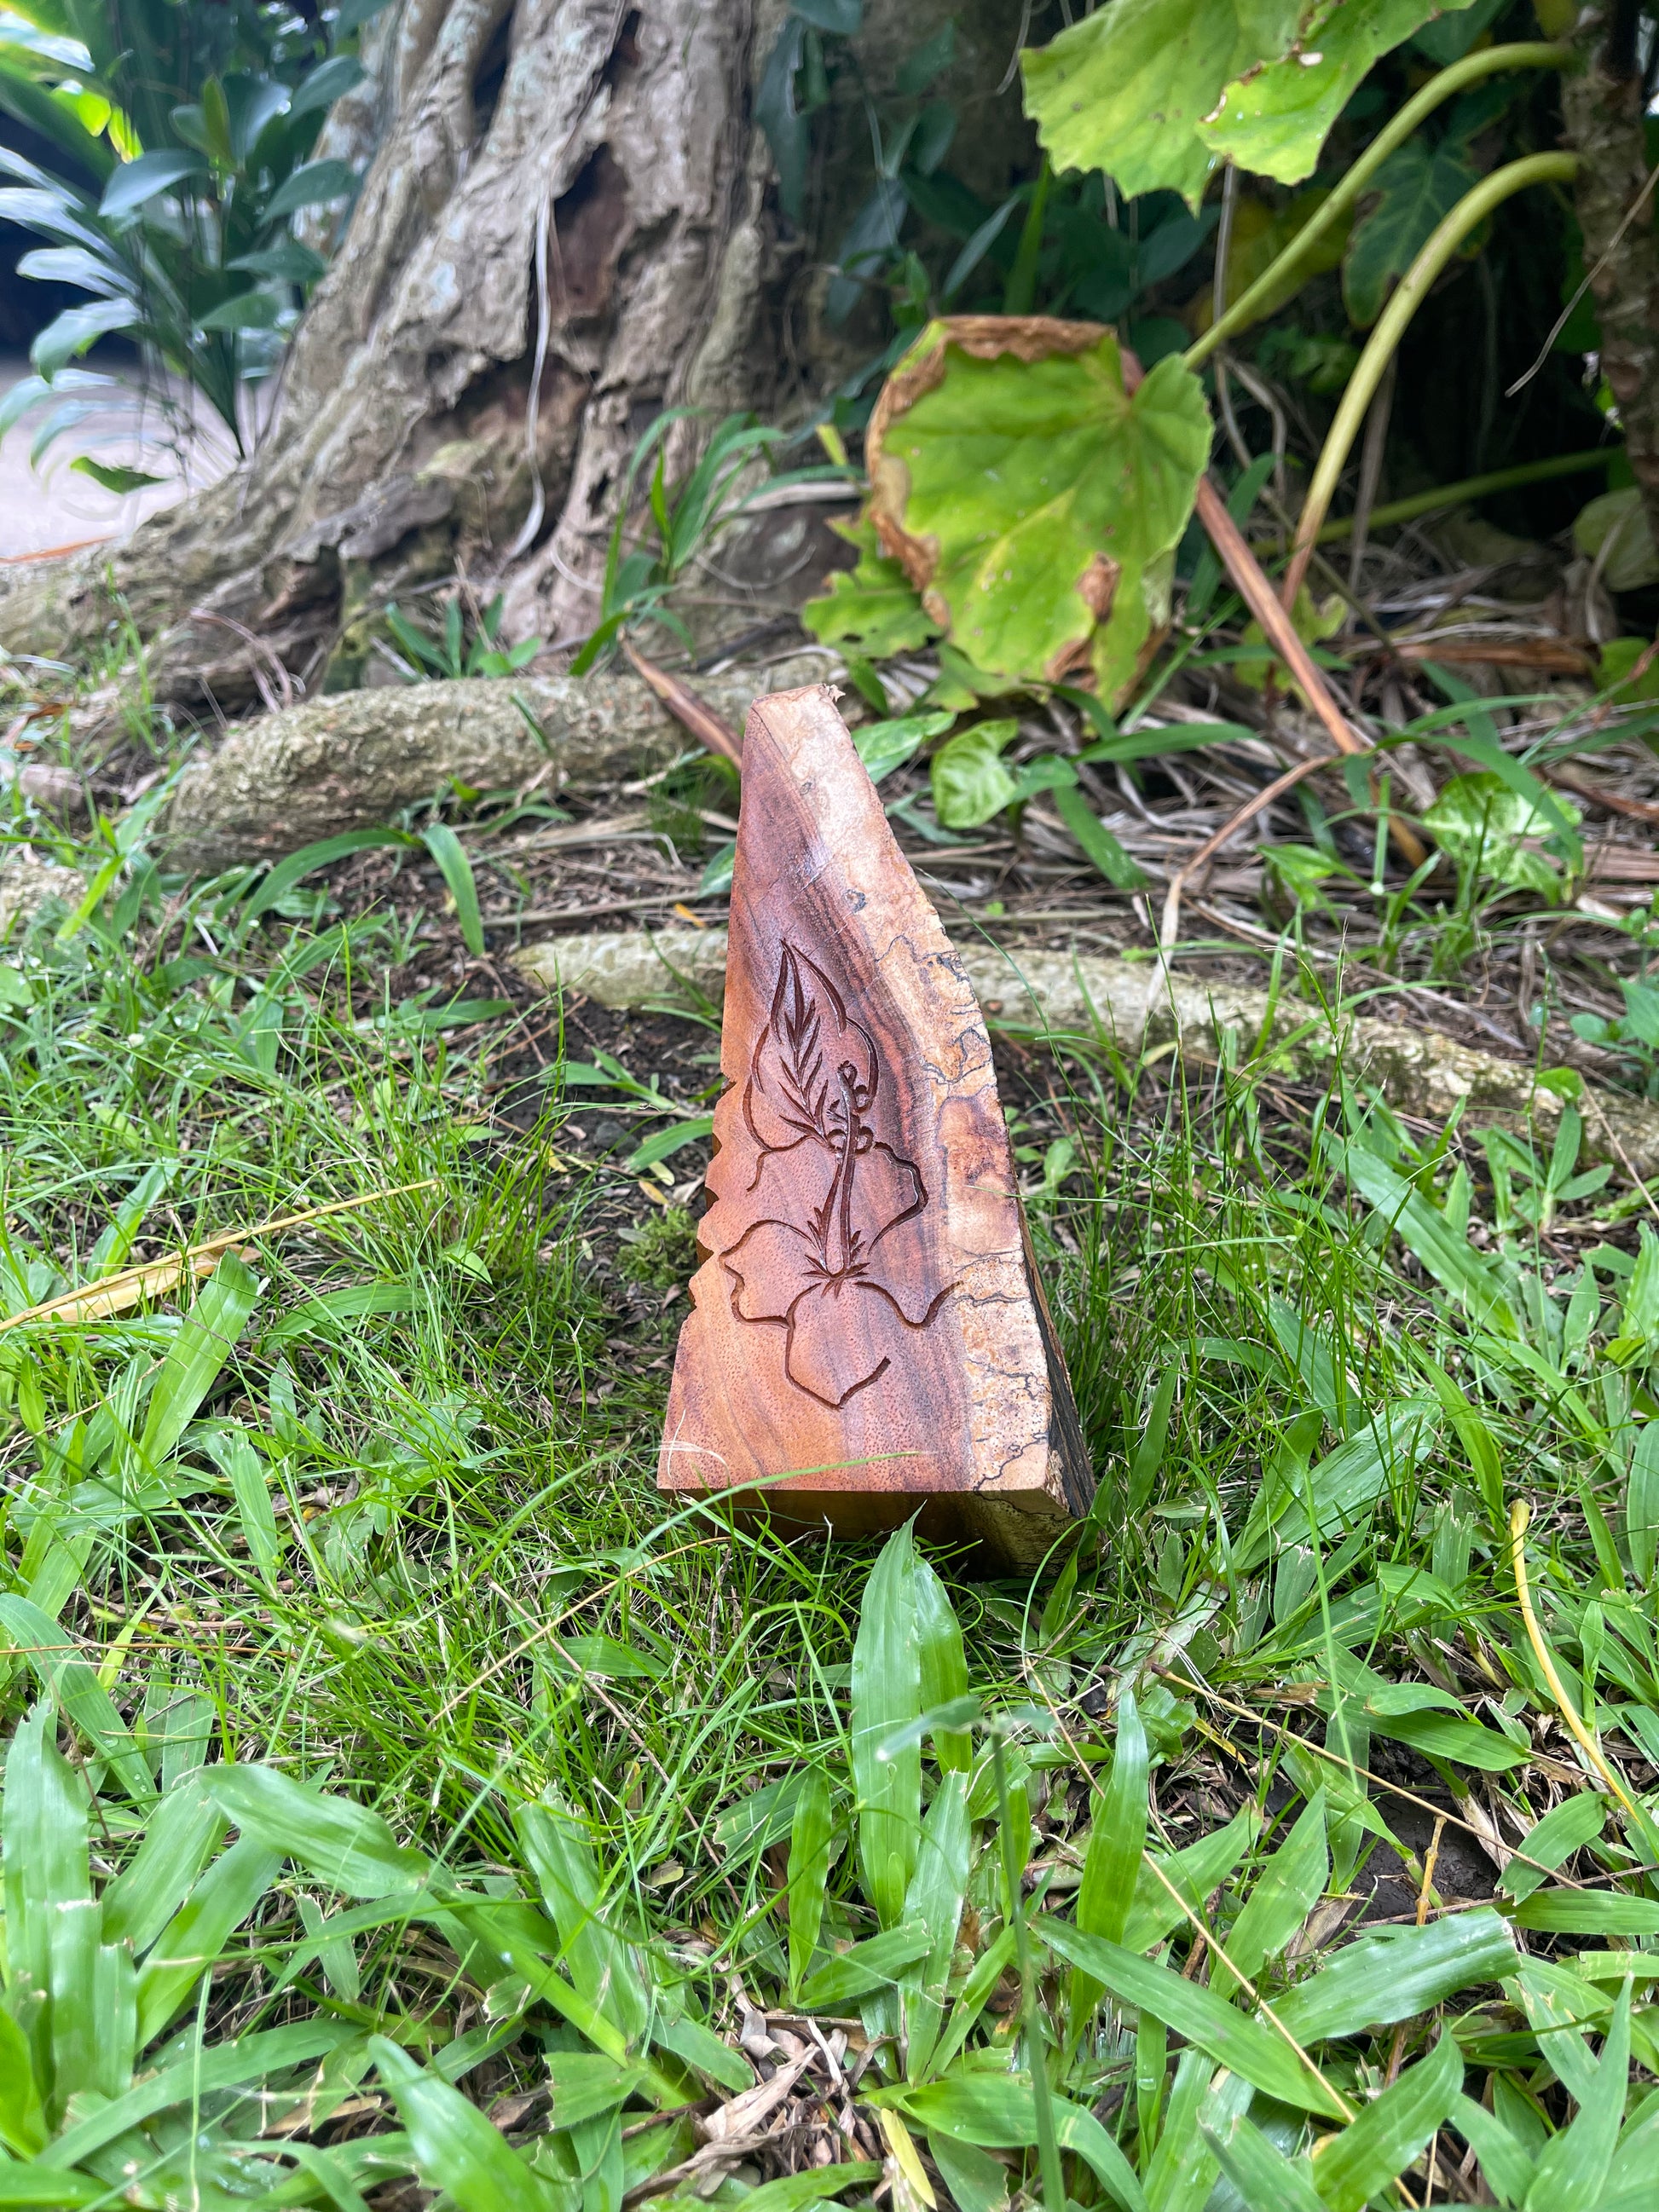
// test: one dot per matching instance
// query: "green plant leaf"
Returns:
(997, 2112)
(190, 1945)
(1126, 89)
(970, 783)
(447, 850)
(1383, 1978)
(1192, 1874)
(312, 185)
(875, 606)
(1576, 1821)
(1416, 187)
(561, 1858)
(1642, 1502)
(1374, 2150)
(883, 746)
(1481, 821)
(887, 1698)
(1111, 1861)
(1265, 2179)
(1632, 559)
(341, 1845)
(137, 181)
(1284, 1892)
(322, 86)
(934, 1901)
(665, 1143)
(1041, 500)
(1274, 120)
(811, 1836)
(792, 2193)
(197, 1357)
(249, 1482)
(58, 1667)
(1572, 2166)
(943, 1664)
(456, 2149)
(1097, 840)
(274, 887)
(247, 310)
(1246, 2047)
(1445, 1251)
(877, 1963)
(119, 480)
(1589, 1912)
(184, 1829)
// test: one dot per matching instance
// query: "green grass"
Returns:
(379, 1747)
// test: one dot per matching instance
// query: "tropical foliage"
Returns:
(180, 163)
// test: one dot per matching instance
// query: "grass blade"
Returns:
(1285, 1893)
(190, 1945)
(886, 1698)
(455, 868)
(1381, 1979)
(1245, 2046)
(1360, 2162)
(456, 2149)
(199, 1353)
(810, 1840)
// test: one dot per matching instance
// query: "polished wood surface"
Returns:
(867, 1333)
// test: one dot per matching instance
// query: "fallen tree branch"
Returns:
(354, 759)
(1279, 629)
(1140, 1004)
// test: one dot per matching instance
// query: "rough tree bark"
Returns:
(568, 224)
(1601, 106)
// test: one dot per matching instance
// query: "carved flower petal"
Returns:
(842, 1335)
(770, 1266)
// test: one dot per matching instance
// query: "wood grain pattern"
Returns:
(867, 1333)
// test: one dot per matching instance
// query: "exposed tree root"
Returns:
(1419, 1072)
(352, 759)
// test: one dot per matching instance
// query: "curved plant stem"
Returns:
(1459, 493)
(1473, 67)
(1414, 289)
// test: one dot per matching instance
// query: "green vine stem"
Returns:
(1469, 70)
(1459, 493)
(1414, 289)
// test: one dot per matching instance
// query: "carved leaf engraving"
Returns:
(834, 1253)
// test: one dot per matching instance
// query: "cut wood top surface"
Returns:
(865, 1324)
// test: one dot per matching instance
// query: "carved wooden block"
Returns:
(867, 1331)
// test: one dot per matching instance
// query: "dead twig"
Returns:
(690, 712)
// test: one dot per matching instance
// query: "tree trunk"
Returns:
(568, 224)
(1601, 106)
(561, 231)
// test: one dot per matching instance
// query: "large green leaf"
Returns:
(1036, 493)
(1158, 95)
(1126, 90)
(1274, 120)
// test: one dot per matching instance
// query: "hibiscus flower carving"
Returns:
(835, 1254)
